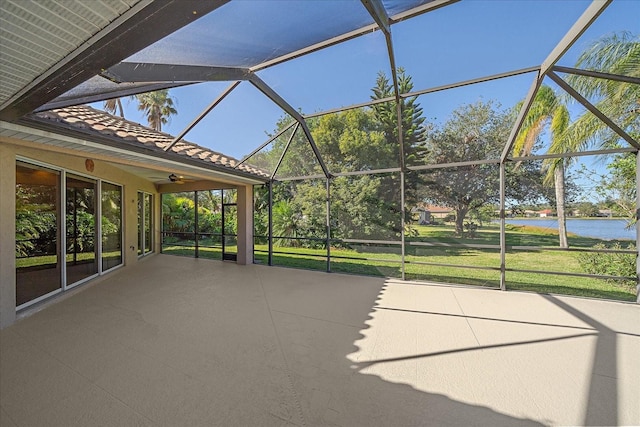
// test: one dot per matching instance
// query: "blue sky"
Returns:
(469, 39)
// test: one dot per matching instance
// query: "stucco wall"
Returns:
(74, 162)
(7, 236)
(131, 184)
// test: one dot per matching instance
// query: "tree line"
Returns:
(366, 139)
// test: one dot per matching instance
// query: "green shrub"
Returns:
(611, 263)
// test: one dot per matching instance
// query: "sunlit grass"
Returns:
(386, 261)
(439, 263)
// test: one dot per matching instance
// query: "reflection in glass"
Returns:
(147, 222)
(111, 225)
(38, 267)
(145, 226)
(81, 227)
(140, 224)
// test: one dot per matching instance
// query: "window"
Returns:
(145, 223)
(111, 229)
(65, 235)
(81, 225)
(38, 211)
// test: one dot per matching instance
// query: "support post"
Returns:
(637, 228)
(503, 236)
(244, 206)
(195, 225)
(328, 227)
(402, 176)
(270, 227)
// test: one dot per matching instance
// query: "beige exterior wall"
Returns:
(74, 162)
(7, 236)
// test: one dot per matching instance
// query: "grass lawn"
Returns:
(441, 263)
(386, 261)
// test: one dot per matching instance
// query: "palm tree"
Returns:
(286, 223)
(158, 107)
(548, 110)
(113, 106)
(613, 54)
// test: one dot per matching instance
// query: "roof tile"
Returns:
(102, 123)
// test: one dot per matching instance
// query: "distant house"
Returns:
(605, 213)
(545, 213)
(529, 213)
(427, 213)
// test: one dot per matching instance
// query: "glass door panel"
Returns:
(147, 223)
(81, 227)
(111, 225)
(38, 265)
(140, 223)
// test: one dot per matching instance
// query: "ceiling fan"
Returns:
(173, 178)
(179, 179)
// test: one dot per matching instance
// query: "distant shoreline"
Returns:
(599, 228)
(585, 218)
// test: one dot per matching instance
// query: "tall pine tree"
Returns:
(413, 129)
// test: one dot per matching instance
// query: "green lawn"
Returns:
(442, 263)
(386, 261)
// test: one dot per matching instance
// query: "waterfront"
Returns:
(601, 228)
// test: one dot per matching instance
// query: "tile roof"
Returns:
(88, 119)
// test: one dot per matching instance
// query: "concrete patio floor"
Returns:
(186, 342)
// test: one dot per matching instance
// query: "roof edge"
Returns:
(113, 142)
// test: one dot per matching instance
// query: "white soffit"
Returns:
(36, 35)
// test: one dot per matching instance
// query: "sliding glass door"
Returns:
(111, 226)
(92, 211)
(145, 223)
(38, 260)
(81, 228)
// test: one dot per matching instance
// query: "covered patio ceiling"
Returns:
(61, 54)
